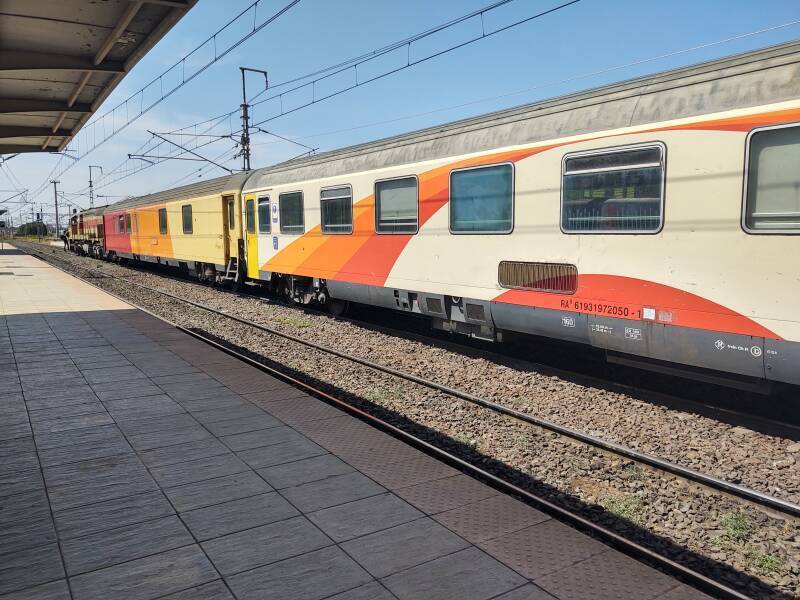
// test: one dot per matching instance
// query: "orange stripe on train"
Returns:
(625, 297)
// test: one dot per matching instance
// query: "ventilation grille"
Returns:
(543, 277)
(475, 312)
(434, 305)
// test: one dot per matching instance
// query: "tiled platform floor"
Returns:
(137, 462)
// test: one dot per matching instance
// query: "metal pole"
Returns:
(55, 200)
(245, 126)
(245, 139)
(91, 187)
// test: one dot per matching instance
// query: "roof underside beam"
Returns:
(14, 60)
(34, 105)
(18, 131)
(19, 148)
(173, 3)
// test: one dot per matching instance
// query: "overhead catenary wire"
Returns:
(88, 131)
(555, 82)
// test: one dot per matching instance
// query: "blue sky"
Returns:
(524, 64)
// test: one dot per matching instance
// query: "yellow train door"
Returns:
(251, 238)
(229, 219)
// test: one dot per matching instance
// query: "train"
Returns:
(656, 219)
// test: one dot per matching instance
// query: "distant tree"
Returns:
(32, 228)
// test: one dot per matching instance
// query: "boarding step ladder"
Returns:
(232, 272)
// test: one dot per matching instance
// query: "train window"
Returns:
(250, 216)
(482, 199)
(231, 212)
(135, 223)
(291, 212)
(186, 217)
(336, 206)
(613, 191)
(772, 189)
(396, 205)
(162, 220)
(263, 215)
(128, 223)
(121, 224)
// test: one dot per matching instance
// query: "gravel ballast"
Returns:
(729, 540)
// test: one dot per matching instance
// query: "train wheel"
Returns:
(338, 308)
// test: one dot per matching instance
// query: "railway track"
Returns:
(741, 493)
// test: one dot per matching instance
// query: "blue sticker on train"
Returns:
(274, 242)
(274, 213)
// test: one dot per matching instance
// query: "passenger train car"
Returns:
(656, 219)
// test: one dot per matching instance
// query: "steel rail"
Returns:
(620, 542)
(722, 485)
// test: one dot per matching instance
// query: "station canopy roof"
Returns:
(60, 59)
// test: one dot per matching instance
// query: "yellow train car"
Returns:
(196, 228)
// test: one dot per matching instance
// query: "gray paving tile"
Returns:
(161, 439)
(78, 436)
(277, 454)
(146, 578)
(170, 455)
(242, 424)
(10, 431)
(98, 485)
(112, 513)
(404, 546)
(112, 374)
(142, 408)
(490, 518)
(52, 457)
(44, 401)
(55, 590)
(20, 482)
(445, 494)
(371, 591)
(27, 568)
(150, 424)
(125, 389)
(215, 491)
(69, 410)
(198, 470)
(263, 545)
(543, 548)
(237, 515)
(353, 519)
(331, 491)
(73, 422)
(26, 533)
(467, 575)
(19, 461)
(529, 592)
(606, 576)
(121, 544)
(410, 472)
(265, 437)
(311, 576)
(29, 505)
(304, 471)
(217, 401)
(244, 409)
(107, 467)
(216, 590)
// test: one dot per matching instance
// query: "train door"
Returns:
(229, 220)
(251, 237)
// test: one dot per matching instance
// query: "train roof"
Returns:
(753, 78)
(90, 212)
(208, 187)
